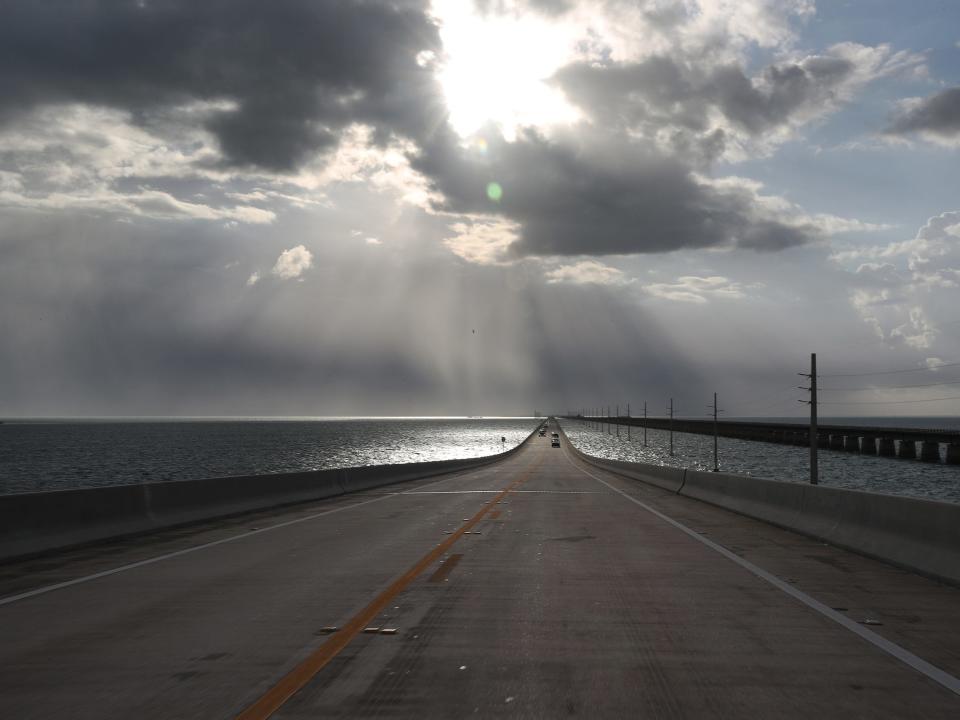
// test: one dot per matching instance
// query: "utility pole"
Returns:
(716, 463)
(671, 427)
(609, 431)
(618, 421)
(628, 422)
(644, 423)
(814, 461)
(814, 464)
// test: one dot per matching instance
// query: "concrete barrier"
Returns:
(912, 533)
(35, 523)
(775, 501)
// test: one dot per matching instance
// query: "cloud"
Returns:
(935, 118)
(718, 30)
(587, 272)
(483, 241)
(591, 193)
(703, 110)
(290, 76)
(637, 174)
(154, 204)
(253, 279)
(98, 160)
(699, 290)
(293, 262)
(906, 290)
(266, 109)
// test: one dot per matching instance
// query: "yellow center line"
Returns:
(275, 697)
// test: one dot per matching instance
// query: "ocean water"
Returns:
(57, 455)
(782, 462)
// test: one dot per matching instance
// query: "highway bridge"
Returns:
(868, 440)
(539, 586)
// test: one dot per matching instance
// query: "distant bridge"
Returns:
(867, 440)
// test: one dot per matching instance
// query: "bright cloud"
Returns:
(103, 161)
(482, 241)
(293, 262)
(907, 290)
(587, 272)
(699, 290)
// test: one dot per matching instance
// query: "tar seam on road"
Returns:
(274, 698)
(446, 567)
(903, 655)
(195, 548)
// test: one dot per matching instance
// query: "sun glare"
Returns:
(495, 69)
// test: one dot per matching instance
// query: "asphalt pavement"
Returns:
(537, 587)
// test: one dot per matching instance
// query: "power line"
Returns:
(765, 403)
(892, 387)
(892, 402)
(892, 372)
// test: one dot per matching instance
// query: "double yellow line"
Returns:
(275, 697)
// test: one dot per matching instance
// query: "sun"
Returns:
(496, 68)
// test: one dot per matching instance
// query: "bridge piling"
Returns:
(885, 447)
(930, 451)
(907, 450)
(953, 454)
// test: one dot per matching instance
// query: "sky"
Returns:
(487, 207)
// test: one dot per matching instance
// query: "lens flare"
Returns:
(494, 191)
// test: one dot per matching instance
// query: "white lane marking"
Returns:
(149, 561)
(903, 655)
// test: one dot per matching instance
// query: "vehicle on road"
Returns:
(555, 442)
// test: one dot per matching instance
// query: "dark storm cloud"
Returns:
(938, 114)
(596, 195)
(297, 70)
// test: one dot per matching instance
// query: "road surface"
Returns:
(538, 587)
